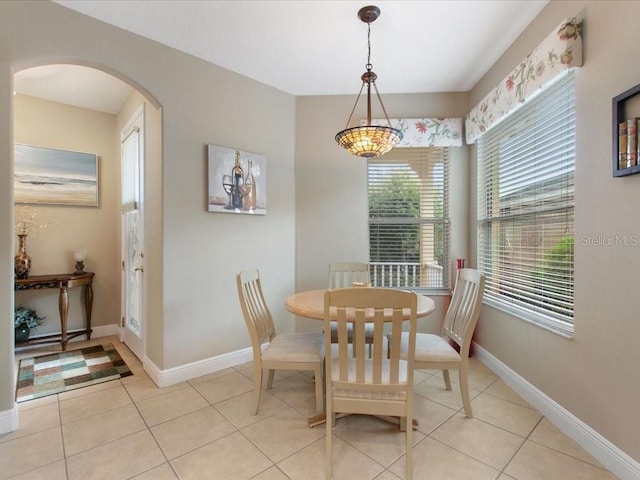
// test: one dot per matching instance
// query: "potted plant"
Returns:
(25, 319)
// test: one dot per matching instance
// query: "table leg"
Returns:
(88, 306)
(63, 307)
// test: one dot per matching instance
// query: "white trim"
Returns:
(101, 331)
(130, 126)
(615, 460)
(96, 332)
(171, 376)
(9, 420)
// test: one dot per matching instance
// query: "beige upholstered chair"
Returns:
(344, 275)
(436, 351)
(377, 384)
(296, 351)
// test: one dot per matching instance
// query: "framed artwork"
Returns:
(56, 177)
(237, 181)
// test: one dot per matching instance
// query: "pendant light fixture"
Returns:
(369, 140)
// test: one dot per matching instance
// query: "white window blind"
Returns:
(409, 218)
(525, 209)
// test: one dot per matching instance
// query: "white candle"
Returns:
(79, 255)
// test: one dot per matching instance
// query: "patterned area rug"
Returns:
(59, 372)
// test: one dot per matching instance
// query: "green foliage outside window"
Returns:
(398, 198)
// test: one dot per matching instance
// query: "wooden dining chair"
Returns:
(347, 275)
(377, 384)
(292, 351)
(436, 351)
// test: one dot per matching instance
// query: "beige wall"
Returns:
(594, 375)
(94, 229)
(196, 254)
(331, 185)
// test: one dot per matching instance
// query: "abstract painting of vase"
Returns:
(57, 177)
(237, 181)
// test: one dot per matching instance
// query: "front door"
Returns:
(133, 324)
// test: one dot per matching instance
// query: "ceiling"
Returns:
(319, 47)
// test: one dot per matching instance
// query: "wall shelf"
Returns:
(626, 106)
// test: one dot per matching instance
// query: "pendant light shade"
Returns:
(369, 140)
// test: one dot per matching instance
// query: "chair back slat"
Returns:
(378, 345)
(343, 345)
(344, 274)
(464, 309)
(254, 308)
(358, 345)
(385, 309)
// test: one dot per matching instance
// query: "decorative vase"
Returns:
(22, 264)
(22, 333)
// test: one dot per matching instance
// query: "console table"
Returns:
(63, 282)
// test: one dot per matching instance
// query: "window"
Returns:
(525, 209)
(409, 218)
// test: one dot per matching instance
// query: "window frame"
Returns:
(406, 156)
(525, 305)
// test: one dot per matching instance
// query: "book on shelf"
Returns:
(632, 142)
(637, 141)
(622, 145)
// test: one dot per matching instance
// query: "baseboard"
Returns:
(96, 332)
(171, 376)
(9, 420)
(101, 331)
(615, 460)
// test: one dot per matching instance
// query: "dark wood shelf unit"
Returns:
(620, 114)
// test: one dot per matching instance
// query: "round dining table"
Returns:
(310, 304)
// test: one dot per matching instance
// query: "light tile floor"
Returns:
(202, 429)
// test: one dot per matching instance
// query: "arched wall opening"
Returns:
(59, 122)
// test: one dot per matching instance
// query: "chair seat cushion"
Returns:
(430, 348)
(295, 347)
(368, 332)
(364, 393)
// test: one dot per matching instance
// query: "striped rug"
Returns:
(59, 372)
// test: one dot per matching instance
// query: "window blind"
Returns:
(525, 209)
(409, 218)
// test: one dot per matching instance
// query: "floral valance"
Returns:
(559, 52)
(426, 132)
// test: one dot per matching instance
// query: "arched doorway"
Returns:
(78, 108)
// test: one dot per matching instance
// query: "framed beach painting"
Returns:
(237, 181)
(55, 177)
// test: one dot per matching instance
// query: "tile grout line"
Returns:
(150, 433)
(520, 447)
(64, 448)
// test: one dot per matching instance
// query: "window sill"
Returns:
(431, 292)
(538, 319)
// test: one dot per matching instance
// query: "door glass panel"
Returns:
(134, 274)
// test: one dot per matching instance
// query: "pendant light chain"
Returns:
(368, 66)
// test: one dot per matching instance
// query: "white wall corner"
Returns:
(615, 460)
(171, 376)
(9, 420)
